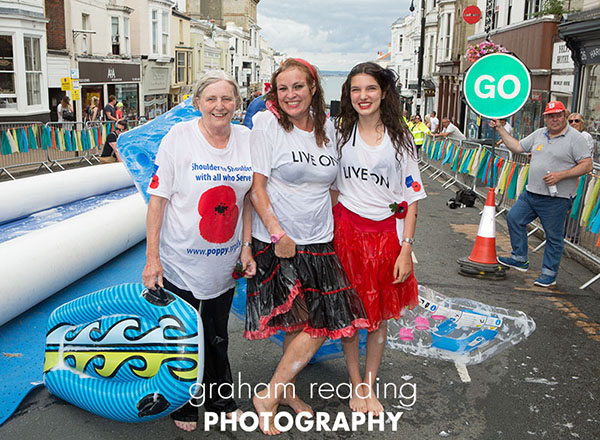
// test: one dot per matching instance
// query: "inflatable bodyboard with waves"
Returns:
(125, 352)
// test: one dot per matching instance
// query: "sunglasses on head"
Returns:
(574, 120)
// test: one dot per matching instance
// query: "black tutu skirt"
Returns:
(308, 292)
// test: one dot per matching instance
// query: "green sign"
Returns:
(497, 85)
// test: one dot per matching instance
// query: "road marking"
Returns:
(463, 373)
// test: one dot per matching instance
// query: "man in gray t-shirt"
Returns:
(559, 155)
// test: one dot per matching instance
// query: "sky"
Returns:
(332, 34)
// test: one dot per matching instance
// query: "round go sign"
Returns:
(497, 85)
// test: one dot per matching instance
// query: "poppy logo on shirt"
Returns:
(219, 214)
(416, 186)
(154, 182)
(540, 147)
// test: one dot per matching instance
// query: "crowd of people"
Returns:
(322, 220)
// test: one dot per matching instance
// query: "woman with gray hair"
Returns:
(199, 224)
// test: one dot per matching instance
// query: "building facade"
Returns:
(23, 62)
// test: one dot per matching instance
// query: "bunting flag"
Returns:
(593, 214)
(22, 140)
(32, 138)
(46, 142)
(12, 139)
(5, 148)
(53, 138)
(578, 197)
(67, 140)
(74, 145)
(589, 206)
(97, 135)
(512, 181)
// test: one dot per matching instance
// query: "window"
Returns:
(8, 95)
(86, 39)
(154, 31)
(431, 52)
(33, 70)
(114, 35)
(509, 11)
(165, 33)
(126, 48)
(180, 74)
(531, 7)
(189, 68)
(400, 43)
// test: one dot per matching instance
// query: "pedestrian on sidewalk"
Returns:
(109, 152)
(450, 131)
(419, 130)
(376, 216)
(559, 155)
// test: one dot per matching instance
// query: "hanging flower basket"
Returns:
(476, 51)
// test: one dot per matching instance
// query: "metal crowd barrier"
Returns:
(66, 143)
(22, 147)
(579, 231)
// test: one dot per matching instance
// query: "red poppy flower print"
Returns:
(219, 214)
(154, 182)
(416, 186)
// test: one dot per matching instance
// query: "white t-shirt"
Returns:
(371, 178)
(59, 111)
(590, 141)
(454, 132)
(434, 123)
(300, 174)
(200, 238)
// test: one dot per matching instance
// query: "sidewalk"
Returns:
(548, 386)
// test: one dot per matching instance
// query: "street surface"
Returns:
(546, 387)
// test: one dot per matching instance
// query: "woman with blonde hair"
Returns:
(577, 122)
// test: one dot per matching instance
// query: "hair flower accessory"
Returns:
(272, 108)
(399, 209)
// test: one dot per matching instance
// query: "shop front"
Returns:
(156, 86)
(581, 31)
(102, 79)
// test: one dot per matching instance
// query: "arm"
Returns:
(584, 166)
(248, 263)
(111, 116)
(153, 271)
(286, 247)
(403, 265)
(334, 194)
(511, 143)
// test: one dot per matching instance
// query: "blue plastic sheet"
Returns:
(138, 147)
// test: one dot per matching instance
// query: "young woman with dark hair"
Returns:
(376, 215)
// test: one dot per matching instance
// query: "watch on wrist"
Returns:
(247, 243)
(408, 240)
(276, 237)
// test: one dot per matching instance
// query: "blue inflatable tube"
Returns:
(125, 353)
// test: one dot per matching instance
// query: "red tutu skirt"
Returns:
(368, 250)
(308, 292)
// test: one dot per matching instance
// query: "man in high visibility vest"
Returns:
(419, 130)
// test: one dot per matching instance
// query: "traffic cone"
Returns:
(484, 251)
(482, 262)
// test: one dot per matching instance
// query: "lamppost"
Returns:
(421, 51)
(232, 53)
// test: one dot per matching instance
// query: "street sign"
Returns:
(76, 94)
(472, 14)
(497, 85)
(65, 84)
